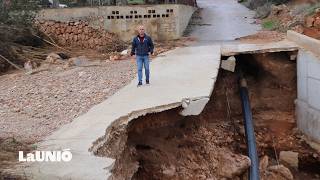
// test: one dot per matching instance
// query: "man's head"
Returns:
(141, 30)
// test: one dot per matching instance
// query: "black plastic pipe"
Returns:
(249, 130)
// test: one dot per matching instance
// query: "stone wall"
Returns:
(162, 22)
(308, 85)
(80, 34)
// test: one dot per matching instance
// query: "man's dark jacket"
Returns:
(142, 48)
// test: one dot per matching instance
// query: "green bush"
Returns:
(312, 8)
(271, 24)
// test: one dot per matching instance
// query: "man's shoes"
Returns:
(139, 84)
(147, 82)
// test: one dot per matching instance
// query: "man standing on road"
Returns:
(142, 45)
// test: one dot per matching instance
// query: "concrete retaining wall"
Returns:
(162, 22)
(308, 82)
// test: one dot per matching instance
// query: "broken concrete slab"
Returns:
(184, 73)
(246, 48)
(289, 158)
(194, 107)
(229, 64)
(304, 41)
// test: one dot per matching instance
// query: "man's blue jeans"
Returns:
(143, 61)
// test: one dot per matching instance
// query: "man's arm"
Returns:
(133, 48)
(151, 46)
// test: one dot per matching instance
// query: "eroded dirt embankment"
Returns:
(167, 145)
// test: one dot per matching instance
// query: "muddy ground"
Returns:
(263, 36)
(169, 146)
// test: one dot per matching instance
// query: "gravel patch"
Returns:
(33, 106)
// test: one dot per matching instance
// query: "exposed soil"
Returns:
(302, 16)
(263, 36)
(312, 32)
(169, 146)
(272, 94)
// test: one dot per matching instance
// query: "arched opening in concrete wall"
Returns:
(167, 145)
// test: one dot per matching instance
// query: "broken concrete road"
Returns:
(231, 49)
(182, 76)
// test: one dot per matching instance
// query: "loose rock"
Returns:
(289, 158)
(278, 172)
(53, 58)
(309, 21)
(264, 162)
(232, 165)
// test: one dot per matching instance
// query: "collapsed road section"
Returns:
(187, 125)
(211, 145)
(182, 76)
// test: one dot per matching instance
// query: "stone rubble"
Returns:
(81, 34)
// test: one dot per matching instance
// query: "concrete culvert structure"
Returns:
(166, 145)
(272, 82)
